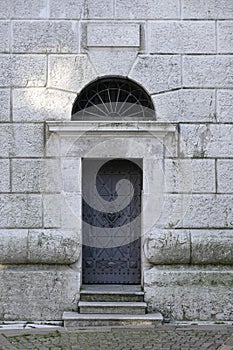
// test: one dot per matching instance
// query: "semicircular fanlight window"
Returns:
(107, 99)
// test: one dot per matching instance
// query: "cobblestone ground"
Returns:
(164, 337)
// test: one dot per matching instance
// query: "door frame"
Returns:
(136, 140)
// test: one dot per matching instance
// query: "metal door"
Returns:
(112, 245)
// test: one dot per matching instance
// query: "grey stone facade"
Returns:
(180, 52)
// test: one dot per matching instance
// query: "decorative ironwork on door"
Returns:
(111, 222)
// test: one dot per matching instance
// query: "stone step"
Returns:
(114, 293)
(90, 307)
(114, 296)
(74, 319)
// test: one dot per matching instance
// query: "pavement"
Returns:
(167, 336)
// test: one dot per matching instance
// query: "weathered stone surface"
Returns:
(225, 175)
(70, 72)
(165, 247)
(4, 36)
(45, 36)
(20, 210)
(225, 105)
(39, 175)
(52, 210)
(71, 169)
(113, 61)
(70, 9)
(149, 9)
(185, 105)
(5, 137)
(212, 247)
(62, 210)
(170, 143)
(5, 105)
(22, 70)
(53, 246)
(195, 211)
(192, 176)
(225, 36)
(39, 104)
(13, 246)
(38, 293)
(4, 175)
(113, 34)
(183, 37)
(23, 9)
(208, 71)
(210, 9)
(206, 140)
(26, 140)
(26, 175)
(209, 211)
(190, 293)
(39, 246)
(157, 73)
(180, 246)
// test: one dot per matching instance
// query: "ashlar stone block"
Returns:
(4, 36)
(225, 36)
(4, 175)
(157, 73)
(189, 105)
(191, 293)
(5, 105)
(53, 246)
(27, 9)
(39, 104)
(6, 140)
(206, 140)
(113, 61)
(13, 246)
(149, 9)
(225, 105)
(192, 176)
(165, 247)
(70, 72)
(27, 140)
(70, 9)
(45, 36)
(25, 291)
(22, 70)
(183, 37)
(208, 71)
(212, 247)
(225, 175)
(21, 140)
(209, 9)
(195, 211)
(209, 211)
(113, 34)
(38, 175)
(20, 210)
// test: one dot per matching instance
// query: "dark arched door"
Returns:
(111, 213)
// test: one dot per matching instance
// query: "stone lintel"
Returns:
(103, 127)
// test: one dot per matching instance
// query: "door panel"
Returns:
(112, 249)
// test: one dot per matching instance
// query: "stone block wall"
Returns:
(180, 52)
